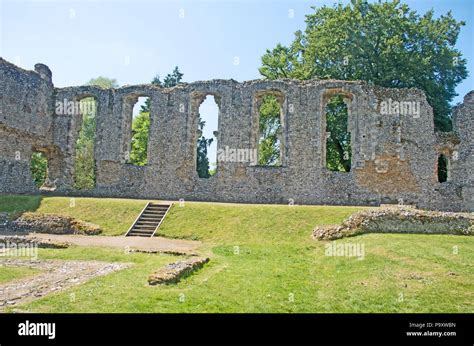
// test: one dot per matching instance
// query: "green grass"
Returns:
(15, 204)
(233, 223)
(113, 215)
(263, 259)
(13, 273)
(110, 293)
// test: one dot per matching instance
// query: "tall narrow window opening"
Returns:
(338, 138)
(206, 158)
(270, 131)
(84, 163)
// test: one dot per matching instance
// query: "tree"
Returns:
(202, 161)
(103, 82)
(338, 145)
(172, 79)
(383, 43)
(141, 123)
(84, 164)
(139, 146)
(442, 169)
(269, 129)
(39, 168)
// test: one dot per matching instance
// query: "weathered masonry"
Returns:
(394, 149)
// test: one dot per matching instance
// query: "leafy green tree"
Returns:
(338, 145)
(269, 129)
(172, 79)
(383, 43)
(442, 169)
(202, 163)
(141, 123)
(103, 82)
(139, 146)
(213, 171)
(39, 168)
(84, 165)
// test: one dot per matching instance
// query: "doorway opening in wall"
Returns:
(443, 168)
(270, 131)
(140, 131)
(84, 163)
(39, 168)
(208, 118)
(338, 137)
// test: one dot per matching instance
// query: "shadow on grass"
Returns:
(15, 205)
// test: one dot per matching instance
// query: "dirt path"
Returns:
(56, 275)
(155, 244)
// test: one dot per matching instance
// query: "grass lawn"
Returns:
(15, 205)
(264, 260)
(13, 273)
(113, 215)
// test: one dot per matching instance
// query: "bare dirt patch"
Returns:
(55, 276)
(133, 244)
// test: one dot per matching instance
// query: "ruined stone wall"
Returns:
(462, 158)
(394, 156)
(26, 123)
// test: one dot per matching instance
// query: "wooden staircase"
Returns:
(149, 220)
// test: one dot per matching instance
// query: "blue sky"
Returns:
(133, 40)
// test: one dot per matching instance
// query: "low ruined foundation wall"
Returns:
(399, 220)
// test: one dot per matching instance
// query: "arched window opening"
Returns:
(270, 131)
(206, 146)
(140, 132)
(338, 138)
(84, 163)
(39, 168)
(443, 169)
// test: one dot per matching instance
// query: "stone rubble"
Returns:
(55, 275)
(398, 220)
(174, 272)
(31, 240)
(53, 224)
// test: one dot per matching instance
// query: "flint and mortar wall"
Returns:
(394, 156)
